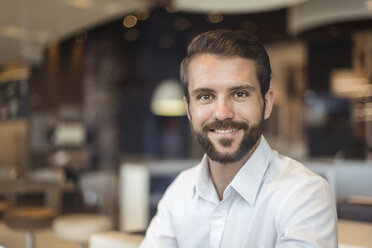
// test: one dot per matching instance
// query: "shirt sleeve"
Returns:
(308, 217)
(160, 232)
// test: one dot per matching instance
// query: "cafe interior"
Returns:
(93, 127)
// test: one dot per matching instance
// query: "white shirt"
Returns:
(273, 201)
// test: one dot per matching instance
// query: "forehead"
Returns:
(214, 70)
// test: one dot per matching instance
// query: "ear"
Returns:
(269, 103)
(187, 104)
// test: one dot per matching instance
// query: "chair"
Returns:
(99, 188)
(8, 176)
(32, 218)
(29, 219)
(47, 175)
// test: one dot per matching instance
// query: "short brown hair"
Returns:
(229, 43)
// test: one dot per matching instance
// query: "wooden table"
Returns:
(52, 190)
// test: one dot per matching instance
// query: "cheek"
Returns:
(199, 115)
(250, 112)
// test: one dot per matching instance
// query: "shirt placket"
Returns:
(218, 223)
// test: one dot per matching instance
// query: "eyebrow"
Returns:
(243, 87)
(202, 90)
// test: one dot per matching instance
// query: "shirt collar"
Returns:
(204, 186)
(248, 180)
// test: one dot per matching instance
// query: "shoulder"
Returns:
(297, 187)
(305, 204)
(183, 184)
(285, 170)
(292, 183)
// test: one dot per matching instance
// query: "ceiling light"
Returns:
(143, 14)
(130, 21)
(214, 17)
(171, 9)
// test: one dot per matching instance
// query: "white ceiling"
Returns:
(27, 26)
(234, 6)
(316, 13)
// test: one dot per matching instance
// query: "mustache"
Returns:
(226, 124)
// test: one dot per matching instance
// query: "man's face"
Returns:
(226, 108)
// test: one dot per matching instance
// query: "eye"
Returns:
(240, 94)
(205, 97)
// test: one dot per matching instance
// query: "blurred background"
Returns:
(90, 112)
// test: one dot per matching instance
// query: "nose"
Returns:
(223, 110)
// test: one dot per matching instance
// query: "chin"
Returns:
(227, 151)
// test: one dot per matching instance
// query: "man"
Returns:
(242, 194)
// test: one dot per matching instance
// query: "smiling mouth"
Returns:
(227, 127)
(224, 130)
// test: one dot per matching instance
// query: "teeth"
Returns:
(224, 130)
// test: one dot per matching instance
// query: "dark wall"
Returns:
(325, 56)
(335, 135)
(59, 78)
(112, 79)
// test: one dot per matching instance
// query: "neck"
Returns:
(223, 174)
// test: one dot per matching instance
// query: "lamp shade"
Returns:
(167, 99)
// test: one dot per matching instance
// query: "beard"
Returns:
(250, 138)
